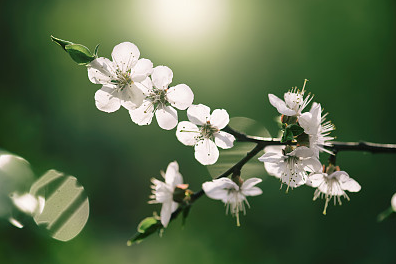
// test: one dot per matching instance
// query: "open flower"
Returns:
(291, 167)
(121, 78)
(293, 104)
(318, 129)
(163, 191)
(231, 194)
(203, 131)
(332, 183)
(160, 99)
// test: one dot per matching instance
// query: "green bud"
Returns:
(79, 53)
(146, 227)
(61, 42)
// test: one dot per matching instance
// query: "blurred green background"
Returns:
(232, 54)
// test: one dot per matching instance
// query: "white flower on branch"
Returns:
(293, 104)
(332, 183)
(159, 99)
(291, 167)
(163, 191)
(393, 202)
(121, 78)
(231, 194)
(318, 129)
(204, 131)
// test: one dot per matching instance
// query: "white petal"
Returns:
(280, 105)
(206, 152)
(166, 117)
(393, 202)
(166, 212)
(312, 165)
(143, 114)
(131, 97)
(162, 76)
(273, 169)
(219, 118)
(346, 182)
(187, 133)
(100, 71)
(218, 189)
(198, 114)
(180, 96)
(142, 69)
(252, 191)
(302, 152)
(125, 55)
(249, 183)
(172, 175)
(146, 86)
(27, 203)
(271, 157)
(316, 179)
(105, 100)
(224, 140)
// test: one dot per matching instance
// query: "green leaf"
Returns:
(79, 53)
(296, 130)
(385, 214)
(287, 135)
(96, 51)
(146, 227)
(61, 42)
(66, 205)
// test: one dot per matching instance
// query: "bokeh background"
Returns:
(232, 54)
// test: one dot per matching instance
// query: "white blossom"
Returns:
(318, 129)
(160, 99)
(332, 185)
(393, 202)
(204, 132)
(27, 203)
(162, 192)
(231, 194)
(121, 78)
(291, 167)
(293, 104)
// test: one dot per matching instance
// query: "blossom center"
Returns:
(158, 97)
(123, 79)
(207, 130)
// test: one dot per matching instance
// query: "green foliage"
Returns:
(79, 53)
(385, 214)
(146, 227)
(290, 132)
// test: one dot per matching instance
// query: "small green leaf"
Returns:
(96, 51)
(385, 214)
(146, 227)
(287, 135)
(61, 42)
(79, 53)
(296, 129)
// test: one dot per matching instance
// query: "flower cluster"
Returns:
(144, 91)
(305, 135)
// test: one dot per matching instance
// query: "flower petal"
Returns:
(346, 182)
(280, 105)
(316, 179)
(125, 55)
(254, 191)
(162, 76)
(219, 118)
(166, 117)
(249, 183)
(224, 140)
(100, 71)
(180, 96)
(172, 174)
(206, 152)
(312, 165)
(146, 86)
(393, 202)
(105, 100)
(142, 69)
(198, 114)
(143, 114)
(218, 189)
(131, 97)
(273, 169)
(166, 212)
(302, 152)
(187, 133)
(271, 157)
